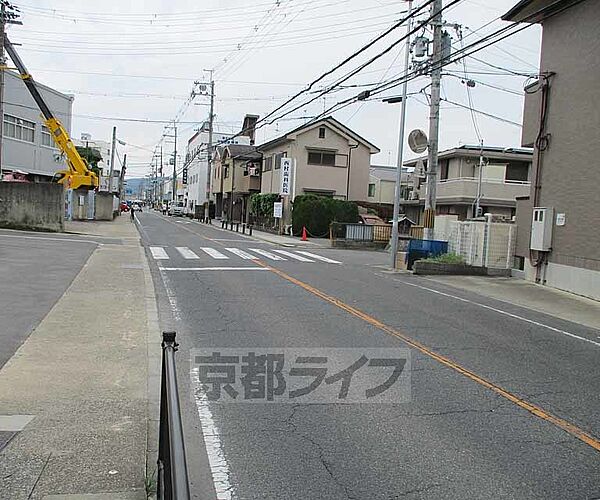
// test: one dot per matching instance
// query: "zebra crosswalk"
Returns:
(165, 253)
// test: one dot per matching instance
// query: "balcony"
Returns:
(466, 188)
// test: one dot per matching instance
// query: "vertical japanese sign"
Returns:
(286, 177)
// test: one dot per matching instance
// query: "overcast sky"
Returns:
(137, 60)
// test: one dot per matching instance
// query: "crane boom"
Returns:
(78, 175)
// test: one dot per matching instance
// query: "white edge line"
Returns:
(72, 240)
(213, 268)
(500, 311)
(219, 467)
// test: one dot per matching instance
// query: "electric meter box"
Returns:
(541, 229)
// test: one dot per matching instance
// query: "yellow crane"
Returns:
(78, 175)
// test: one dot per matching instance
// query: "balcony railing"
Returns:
(466, 187)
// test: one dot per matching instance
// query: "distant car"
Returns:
(124, 207)
(177, 209)
(136, 207)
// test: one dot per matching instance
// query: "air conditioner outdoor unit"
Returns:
(414, 195)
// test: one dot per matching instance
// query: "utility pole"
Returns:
(210, 141)
(162, 179)
(6, 17)
(434, 120)
(113, 149)
(3, 63)
(175, 162)
(122, 177)
(400, 159)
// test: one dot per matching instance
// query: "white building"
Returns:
(103, 147)
(28, 145)
(196, 162)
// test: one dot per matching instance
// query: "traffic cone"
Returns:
(304, 238)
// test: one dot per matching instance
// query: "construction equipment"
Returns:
(78, 175)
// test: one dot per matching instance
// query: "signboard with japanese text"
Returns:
(286, 177)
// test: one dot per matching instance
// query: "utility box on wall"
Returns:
(541, 229)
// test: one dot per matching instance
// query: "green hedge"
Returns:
(261, 207)
(316, 213)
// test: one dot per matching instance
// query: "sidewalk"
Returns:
(523, 293)
(277, 239)
(77, 390)
(290, 241)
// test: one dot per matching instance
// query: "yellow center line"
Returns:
(532, 408)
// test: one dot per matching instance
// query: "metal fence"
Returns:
(172, 481)
(360, 232)
(483, 243)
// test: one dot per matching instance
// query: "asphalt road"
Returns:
(503, 403)
(35, 270)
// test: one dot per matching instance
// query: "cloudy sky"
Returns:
(133, 64)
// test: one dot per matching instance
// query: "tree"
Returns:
(92, 156)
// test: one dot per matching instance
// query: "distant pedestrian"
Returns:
(132, 210)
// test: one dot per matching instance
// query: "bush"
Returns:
(316, 213)
(261, 206)
(446, 258)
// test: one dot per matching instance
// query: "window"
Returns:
(371, 190)
(444, 169)
(46, 137)
(268, 164)
(225, 171)
(17, 128)
(321, 158)
(321, 132)
(278, 157)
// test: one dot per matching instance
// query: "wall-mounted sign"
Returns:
(286, 177)
(278, 209)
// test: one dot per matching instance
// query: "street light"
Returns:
(402, 100)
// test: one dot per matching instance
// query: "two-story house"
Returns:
(382, 184)
(236, 176)
(561, 120)
(504, 177)
(329, 158)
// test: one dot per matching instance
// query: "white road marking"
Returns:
(500, 311)
(14, 423)
(319, 257)
(213, 269)
(215, 254)
(158, 253)
(293, 256)
(72, 240)
(170, 295)
(219, 467)
(269, 255)
(186, 253)
(241, 253)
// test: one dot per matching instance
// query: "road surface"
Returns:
(503, 400)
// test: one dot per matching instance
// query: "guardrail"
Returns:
(172, 481)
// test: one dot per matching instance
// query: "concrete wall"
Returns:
(32, 206)
(104, 206)
(33, 156)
